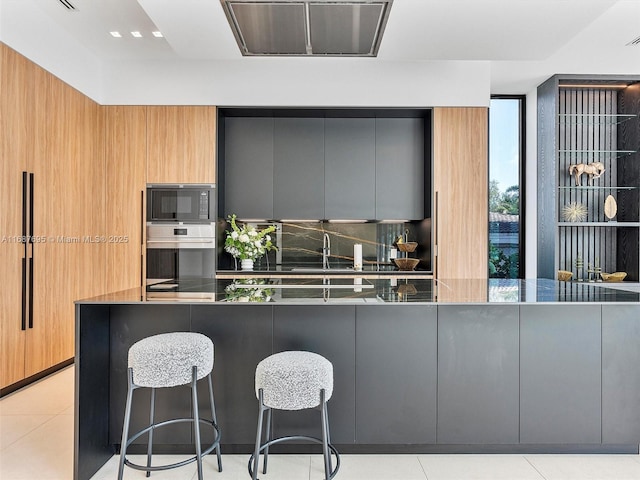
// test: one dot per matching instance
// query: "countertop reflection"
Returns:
(355, 290)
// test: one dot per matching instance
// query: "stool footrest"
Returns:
(295, 438)
(135, 466)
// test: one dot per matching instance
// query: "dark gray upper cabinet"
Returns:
(349, 177)
(249, 167)
(400, 168)
(298, 168)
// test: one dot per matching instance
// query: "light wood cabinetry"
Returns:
(460, 185)
(181, 144)
(48, 130)
(15, 152)
(125, 157)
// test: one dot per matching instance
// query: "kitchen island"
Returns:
(419, 365)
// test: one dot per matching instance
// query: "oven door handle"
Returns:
(177, 244)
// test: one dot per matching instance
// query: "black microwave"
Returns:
(192, 203)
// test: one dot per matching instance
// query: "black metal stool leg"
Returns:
(196, 420)
(269, 434)
(325, 440)
(152, 410)
(256, 453)
(125, 427)
(215, 419)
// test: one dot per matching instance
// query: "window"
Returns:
(506, 186)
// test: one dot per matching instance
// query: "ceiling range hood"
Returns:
(308, 28)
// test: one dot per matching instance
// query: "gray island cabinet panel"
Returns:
(478, 371)
(396, 374)
(242, 337)
(620, 379)
(350, 178)
(328, 330)
(249, 167)
(298, 168)
(400, 186)
(560, 384)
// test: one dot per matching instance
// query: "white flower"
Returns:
(257, 243)
(244, 238)
(234, 235)
(253, 233)
(268, 238)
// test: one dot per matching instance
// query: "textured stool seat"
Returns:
(293, 380)
(167, 359)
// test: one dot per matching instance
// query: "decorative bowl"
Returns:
(613, 277)
(406, 263)
(407, 246)
(564, 276)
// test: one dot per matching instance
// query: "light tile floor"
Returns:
(36, 443)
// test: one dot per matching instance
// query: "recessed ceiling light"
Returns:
(157, 34)
(116, 34)
(136, 34)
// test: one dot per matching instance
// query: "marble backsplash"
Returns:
(300, 244)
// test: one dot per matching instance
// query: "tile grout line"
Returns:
(40, 425)
(534, 467)
(422, 467)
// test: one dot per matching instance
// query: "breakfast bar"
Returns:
(420, 365)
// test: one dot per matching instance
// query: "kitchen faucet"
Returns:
(326, 251)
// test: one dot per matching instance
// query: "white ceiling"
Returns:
(524, 41)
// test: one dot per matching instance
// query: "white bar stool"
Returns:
(293, 380)
(162, 361)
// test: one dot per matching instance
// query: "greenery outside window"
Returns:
(506, 186)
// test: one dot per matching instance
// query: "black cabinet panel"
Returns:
(242, 337)
(130, 323)
(478, 371)
(349, 175)
(298, 168)
(400, 168)
(249, 167)
(328, 331)
(560, 368)
(396, 374)
(620, 379)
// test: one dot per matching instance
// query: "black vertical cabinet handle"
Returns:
(141, 236)
(24, 206)
(31, 206)
(31, 292)
(23, 318)
(23, 322)
(31, 232)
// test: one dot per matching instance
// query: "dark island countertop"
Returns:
(368, 290)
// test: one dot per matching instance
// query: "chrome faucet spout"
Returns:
(326, 251)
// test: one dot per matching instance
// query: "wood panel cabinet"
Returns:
(15, 153)
(461, 192)
(181, 144)
(53, 132)
(125, 175)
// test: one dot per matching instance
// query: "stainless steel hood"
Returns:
(308, 28)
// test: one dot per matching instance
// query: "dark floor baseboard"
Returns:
(34, 378)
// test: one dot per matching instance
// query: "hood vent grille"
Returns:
(308, 28)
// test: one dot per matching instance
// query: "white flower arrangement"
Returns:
(248, 290)
(246, 243)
